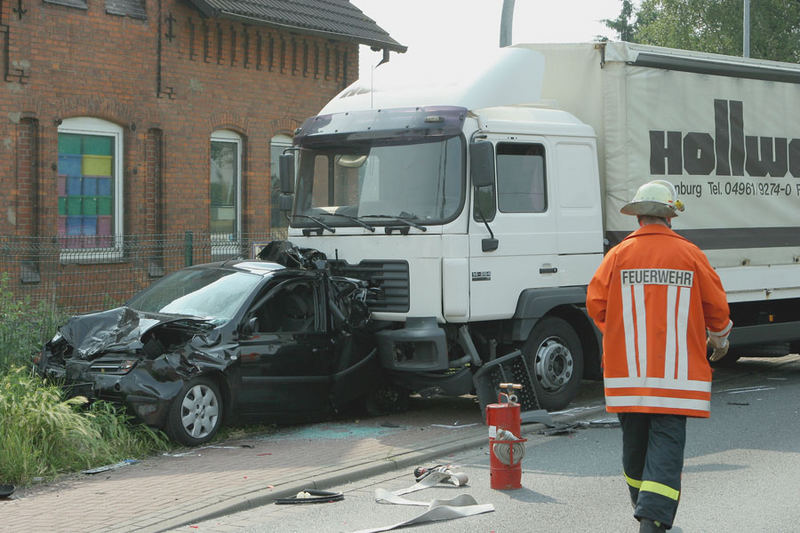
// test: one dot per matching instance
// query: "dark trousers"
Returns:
(652, 459)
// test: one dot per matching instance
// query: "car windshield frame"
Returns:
(214, 294)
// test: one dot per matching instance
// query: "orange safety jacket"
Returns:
(653, 297)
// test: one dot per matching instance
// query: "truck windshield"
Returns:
(377, 181)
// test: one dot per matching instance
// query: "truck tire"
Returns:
(554, 356)
(196, 412)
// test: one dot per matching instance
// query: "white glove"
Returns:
(720, 347)
(718, 341)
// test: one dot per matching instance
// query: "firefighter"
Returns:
(657, 302)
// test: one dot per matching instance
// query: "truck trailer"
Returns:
(480, 196)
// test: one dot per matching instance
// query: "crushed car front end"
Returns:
(131, 358)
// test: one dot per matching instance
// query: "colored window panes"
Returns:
(74, 224)
(70, 164)
(98, 145)
(74, 205)
(89, 187)
(104, 205)
(96, 165)
(74, 186)
(87, 167)
(69, 143)
(89, 205)
(104, 186)
(89, 225)
(103, 225)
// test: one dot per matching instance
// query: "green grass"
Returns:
(45, 435)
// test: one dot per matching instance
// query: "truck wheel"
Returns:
(554, 356)
(196, 412)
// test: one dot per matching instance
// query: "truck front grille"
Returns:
(389, 276)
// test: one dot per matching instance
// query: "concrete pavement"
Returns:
(191, 485)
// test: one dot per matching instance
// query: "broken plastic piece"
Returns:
(106, 468)
(312, 496)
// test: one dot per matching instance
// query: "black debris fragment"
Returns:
(312, 496)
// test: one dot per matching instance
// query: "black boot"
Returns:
(649, 526)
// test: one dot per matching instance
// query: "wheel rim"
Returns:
(553, 364)
(199, 411)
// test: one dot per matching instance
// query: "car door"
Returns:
(286, 351)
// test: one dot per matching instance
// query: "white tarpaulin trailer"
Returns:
(725, 131)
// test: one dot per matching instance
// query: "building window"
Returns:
(132, 8)
(276, 147)
(79, 4)
(226, 189)
(89, 185)
(521, 178)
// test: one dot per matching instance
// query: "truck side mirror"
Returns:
(285, 202)
(481, 163)
(286, 173)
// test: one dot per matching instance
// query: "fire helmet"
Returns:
(657, 198)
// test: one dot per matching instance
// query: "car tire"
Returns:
(196, 412)
(554, 355)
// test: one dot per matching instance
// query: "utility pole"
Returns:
(506, 23)
(746, 32)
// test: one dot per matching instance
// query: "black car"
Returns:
(213, 342)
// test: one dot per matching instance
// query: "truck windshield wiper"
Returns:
(353, 219)
(403, 219)
(320, 223)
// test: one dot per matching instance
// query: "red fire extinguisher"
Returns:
(506, 448)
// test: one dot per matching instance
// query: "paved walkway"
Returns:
(191, 485)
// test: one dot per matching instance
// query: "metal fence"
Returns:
(79, 277)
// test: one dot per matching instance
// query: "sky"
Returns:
(439, 27)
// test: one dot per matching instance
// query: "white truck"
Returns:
(481, 200)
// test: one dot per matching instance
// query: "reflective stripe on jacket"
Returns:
(653, 297)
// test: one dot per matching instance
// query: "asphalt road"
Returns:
(741, 474)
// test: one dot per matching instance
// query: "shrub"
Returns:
(24, 327)
(45, 434)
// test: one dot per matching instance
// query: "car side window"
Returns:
(288, 308)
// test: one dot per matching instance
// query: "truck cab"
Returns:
(477, 212)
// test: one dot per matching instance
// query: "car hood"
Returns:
(126, 329)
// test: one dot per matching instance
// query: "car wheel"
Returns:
(554, 356)
(196, 412)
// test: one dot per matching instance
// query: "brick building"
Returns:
(125, 119)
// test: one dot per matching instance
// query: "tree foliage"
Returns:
(713, 26)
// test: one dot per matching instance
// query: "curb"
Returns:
(251, 500)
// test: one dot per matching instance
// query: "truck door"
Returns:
(520, 210)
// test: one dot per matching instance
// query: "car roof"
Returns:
(252, 266)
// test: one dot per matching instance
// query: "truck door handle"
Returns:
(548, 270)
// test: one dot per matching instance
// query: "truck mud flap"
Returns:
(510, 368)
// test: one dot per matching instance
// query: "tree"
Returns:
(714, 26)
(622, 24)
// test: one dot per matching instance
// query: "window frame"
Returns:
(85, 125)
(541, 152)
(223, 240)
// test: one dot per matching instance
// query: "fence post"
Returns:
(188, 248)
